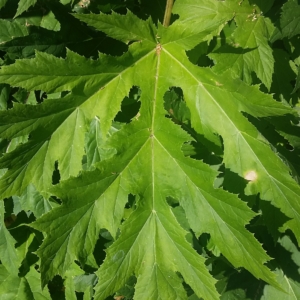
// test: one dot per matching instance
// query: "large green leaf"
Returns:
(149, 143)
(145, 158)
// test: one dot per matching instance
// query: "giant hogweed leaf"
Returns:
(150, 137)
(147, 161)
(152, 143)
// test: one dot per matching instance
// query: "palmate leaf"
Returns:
(152, 216)
(148, 160)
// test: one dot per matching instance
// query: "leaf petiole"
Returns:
(168, 12)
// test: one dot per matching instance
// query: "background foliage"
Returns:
(149, 162)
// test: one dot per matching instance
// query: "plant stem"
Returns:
(168, 12)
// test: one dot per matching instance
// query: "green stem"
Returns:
(168, 13)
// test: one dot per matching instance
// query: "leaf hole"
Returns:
(130, 106)
(130, 206)
(56, 287)
(55, 174)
